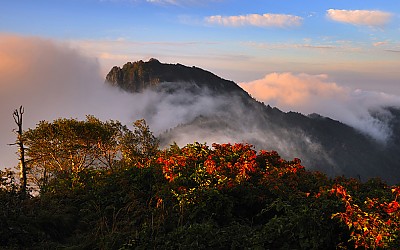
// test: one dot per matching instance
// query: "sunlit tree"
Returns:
(68, 147)
(139, 145)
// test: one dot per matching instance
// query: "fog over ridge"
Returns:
(53, 80)
(305, 93)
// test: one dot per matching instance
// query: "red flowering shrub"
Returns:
(373, 224)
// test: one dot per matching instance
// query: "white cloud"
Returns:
(373, 18)
(174, 2)
(265, 20)
(120, 51)
(164, 2)
(180, 2)
(377, 44)
(317, 94)
(334, 46)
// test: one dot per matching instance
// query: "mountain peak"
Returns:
(138, 76)
(153, 60)
(322, 143)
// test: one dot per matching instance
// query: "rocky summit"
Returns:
(321, 143)
(138, 76)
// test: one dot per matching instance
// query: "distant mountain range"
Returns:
(229, 114)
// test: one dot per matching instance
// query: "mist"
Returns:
(51, 80)
(227, 119)
(54, 80)
(304, 93)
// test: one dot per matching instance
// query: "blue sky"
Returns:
(334, 57)
(357, 43)
(180, 31)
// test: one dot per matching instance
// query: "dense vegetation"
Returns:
(103, 186)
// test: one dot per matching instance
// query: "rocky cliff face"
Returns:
(137, 76)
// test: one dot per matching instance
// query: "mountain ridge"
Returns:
(322, 143)
(138, 76)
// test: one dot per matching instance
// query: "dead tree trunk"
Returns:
(17, 115)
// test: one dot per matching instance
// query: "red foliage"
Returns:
(197, 167)
(377, 225)
(224, 162)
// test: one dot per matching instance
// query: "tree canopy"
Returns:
(109, 187)
(67, 147)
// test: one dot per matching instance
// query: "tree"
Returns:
(67, 147)
(17, 115)
(140, 144)
(64, 149)
(109, 146)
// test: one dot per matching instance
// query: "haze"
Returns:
(339, 59)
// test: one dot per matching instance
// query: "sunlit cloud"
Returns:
(163, 2)
(180, 2)
(387, 46)
(393, 50)
(119, 51)
(174, 2)
(373, 18)
(288, 90)
(307, 94)
(381, 43)
(265, 20)
(49, 79)
(333, 45)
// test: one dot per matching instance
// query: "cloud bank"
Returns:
(51, 80)
(373, 18)
(317, 94)
(265, 20)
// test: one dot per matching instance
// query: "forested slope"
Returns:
(126, 193)
(223, 112)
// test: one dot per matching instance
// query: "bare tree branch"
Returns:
(17, 116)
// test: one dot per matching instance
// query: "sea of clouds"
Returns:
(53, 80)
